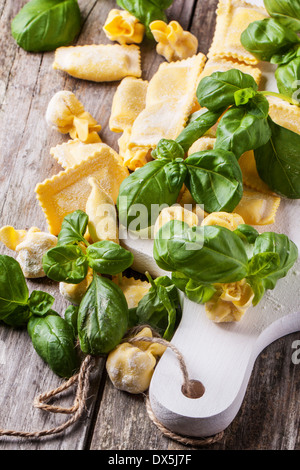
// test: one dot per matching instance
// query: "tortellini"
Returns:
(173, 42)
(102, 214)
(130, 366)
(224, 219)
(133, 289)
(67, 115)
(30, 246)
(230, 302)
(175, 212)
(74, 293)
(123, 27)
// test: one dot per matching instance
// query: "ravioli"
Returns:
(69, 190)
(99, 62)
(233, 17)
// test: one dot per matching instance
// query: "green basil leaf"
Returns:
(199, 293)
(19, 317)
(65, 264)
(287, 12)
(102, 317)
(169, 149)
(160, 247)
(265, 38)
(214, 179)
(53, 340)
(71, 317)
(197, 128)
(208, 255)
(146, 11)
(40, 302)
(285, 57)
(217, 91)
(73, 228)
(13, 288)
(107, 257)
(248, 235)
(243, 96)
(288, 78)
(160, 307)
(239, 131)
(286, 250)
(258, 106)
(151, 180)
(262, 264)
(278, 161)
(44, 25)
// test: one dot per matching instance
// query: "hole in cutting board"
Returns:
(194, 389)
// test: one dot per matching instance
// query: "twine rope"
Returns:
(78, 407)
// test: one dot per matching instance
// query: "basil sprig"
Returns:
(213, 177)
(44, 25)
(276, 40)
(200, 257)
(69, 262)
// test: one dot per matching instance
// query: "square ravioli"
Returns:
(99, 62)
(69, 190)
(223, 65)
(170, 99)
(233, 17)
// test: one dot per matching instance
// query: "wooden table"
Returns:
(269, 416)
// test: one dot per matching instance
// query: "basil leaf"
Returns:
(13, 288)
(53, 340)
(44, 25)
(265, 38)
(217, 91)
(243, 96)
(19, 317)
(274, 256)
(71, 317)
(278, 161)
(160, 307)
(197, 128)
(146, 11)
(285, 57)
(288, 78)
(199, 293)
(65, 264)
(208, 255)
(107, 257)
(248, 235)
(160, 246)
(169, 149)
(287, 12)
(40, 302)
(102, 317)
(151, 180)
(214, 179)
(73, 228)
(239, 131)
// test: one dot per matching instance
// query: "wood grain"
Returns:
(269, 416)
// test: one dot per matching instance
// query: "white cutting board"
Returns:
(221, 356)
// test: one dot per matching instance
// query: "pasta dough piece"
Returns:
(69, 190)
(130, 366)
(128, 102)
(99, 63)
(74, 152)
(257, 208)
(251, 177)
(74, 293)
(231, 221)
(173, 42)
(233, 17)
(102, 214)
(217, 64)
(67, 115)
(204, 143)
(123, 27)
(285, 114)
(230, 302)
(169, 101)
(30, 246)
(133, 289)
